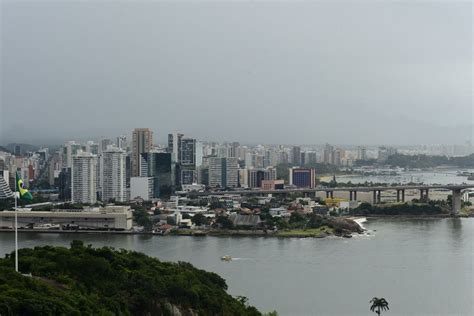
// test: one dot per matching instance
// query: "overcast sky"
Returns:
(355, 72)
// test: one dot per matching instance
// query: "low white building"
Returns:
(109, 217)
(193, 187)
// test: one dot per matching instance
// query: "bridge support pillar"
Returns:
(377, 196)
(424, 195)
(398, 195)
(353, 195)
(327, 194)
(456, 206)
(331, 194)
(403, 195)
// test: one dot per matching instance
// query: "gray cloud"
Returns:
(258, 72)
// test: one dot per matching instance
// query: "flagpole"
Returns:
(16, 230)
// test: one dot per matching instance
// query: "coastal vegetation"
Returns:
(314, 225)
(367, 209)
(425, 161)
(82, 280)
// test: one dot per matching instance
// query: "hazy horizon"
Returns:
(312, 72)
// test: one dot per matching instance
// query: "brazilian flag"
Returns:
(20, 187)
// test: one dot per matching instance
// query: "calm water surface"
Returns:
(422, 267)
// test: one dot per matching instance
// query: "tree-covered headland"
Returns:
(82, 280)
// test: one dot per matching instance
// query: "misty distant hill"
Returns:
(5, 150)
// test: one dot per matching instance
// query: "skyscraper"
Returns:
(187, 161)
(338, 156)
(161, 168)
(121, 142)
(174, 145)
(362, 153)
(296, 155)
(142, 142)
(84, 178)
(223, 172)
(328, 154)
(113, 175)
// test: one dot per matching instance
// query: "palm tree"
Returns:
(378, 304)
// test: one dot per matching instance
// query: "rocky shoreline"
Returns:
(337, 226)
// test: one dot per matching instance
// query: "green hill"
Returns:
(103, 281)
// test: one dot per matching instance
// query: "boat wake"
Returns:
(242, 259)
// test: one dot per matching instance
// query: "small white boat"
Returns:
(226, 258)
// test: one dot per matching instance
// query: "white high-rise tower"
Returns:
(113, 175)
(84, 178)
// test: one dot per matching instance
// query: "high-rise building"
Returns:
(92, 147)
(104, 144)
(174, 145)
(84, 178)
(113, 175)
(302, 177)
(362, 153)
(142, 142)
(303, 159)
(5, 191)
(69, 150)
(338, 156)
(256, 176)
(296, 155)
(161, 168)
(65, 184)
(243, 178)
(223, 172)
(199, 154)
(187, 162)
(121, 142)
(311, 157)
(328, 154)
(234, 150)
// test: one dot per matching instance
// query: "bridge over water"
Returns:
(457, 191)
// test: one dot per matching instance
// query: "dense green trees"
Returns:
(103, 281)
(224, 222)
(141, 217)
(199, 219)
(425, 161)
(398, 209)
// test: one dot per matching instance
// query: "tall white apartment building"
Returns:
(113, 175)
(84, 178)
